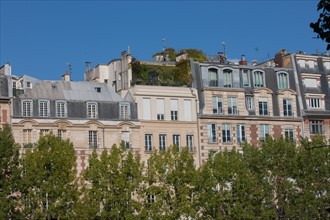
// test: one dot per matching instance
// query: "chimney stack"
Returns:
(66, 76)
(243, 61)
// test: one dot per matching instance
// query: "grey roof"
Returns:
(72, 91)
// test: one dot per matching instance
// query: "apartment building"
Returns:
(92, 115)
(168, 117)
(243, 103)
(312, 75)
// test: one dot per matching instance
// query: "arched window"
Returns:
(282, 80)
(227, 78)
(258, 79)
(213, 77)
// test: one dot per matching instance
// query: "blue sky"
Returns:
(39, 38)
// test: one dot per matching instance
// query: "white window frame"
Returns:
(245, 78)
(27, 136)
(232, 105)
(146, 108)
(316, 126)
(314, 102)
(249, 100)
(27, 108)
(148, 142)
(227, 78)
(212, 133)
(176, 140)
(92, 110)
(264, 131)
(160, 105)
(240, 133)
(213, 77)
(287, 108)
(283, 80)
(61, 108)
(187, 109)
(125, 138)
(217, 104)
(92, 139)
(263, 106)
(289, 133)
(174, 109)
(258, 79)
(43, 106)
(162, 142)
(190, 142)
(61, 133)
(226, 136)
(124, 109)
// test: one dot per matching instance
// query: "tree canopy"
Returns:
(322, 26)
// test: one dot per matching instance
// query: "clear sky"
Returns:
(40, 38)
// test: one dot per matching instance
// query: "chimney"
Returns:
(254, 62)
(66, 76)
(243, 61)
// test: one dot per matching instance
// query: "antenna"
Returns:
(224, 48)
(164, 43)
(69, 68)
(257, 50)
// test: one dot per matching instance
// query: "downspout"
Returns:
(198, 131)
(296, 78)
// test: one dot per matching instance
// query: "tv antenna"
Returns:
(164, 43)
(224, 48)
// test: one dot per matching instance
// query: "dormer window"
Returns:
(27, 108)
(227, 78)
(44, 110)
(258, 79)
(91, 110)
(98, 89)
(283, 80)
(124, 111)
(311, 64)
(213, 77)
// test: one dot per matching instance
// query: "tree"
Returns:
(9, 175)
(322, 26)
(49, 183)
(168, 192)
(114, 178)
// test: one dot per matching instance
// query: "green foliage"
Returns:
(196, 55)
(169, 180)
(9, 175)
(169, 51)
(49, 187)
(322, 26)
(114, 177)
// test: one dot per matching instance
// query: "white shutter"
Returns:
(310, 82)
(174, 105)
(160, 106)
(146, 109)
(187, 110)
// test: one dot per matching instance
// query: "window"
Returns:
(91, 110)
(92, 139)
(176, 140)
(174, 109)
(151, 199)
(301, 63)
(263, 106)
(316, 127)
(162, 142)
(310, 82)
(227, 78)
(28, 84)
(189, 140)
(314, 103)
(287, 107)
(160, 109)
(44, 132)
(249, 103)
(213, 77)
(311, 64)
(288, 133)
(282, 80)
(217, 104)
(146, 109)
(98, 89)
(27, 136)
(264, 131)
(226, 133)
(60, 109)
(187, 110)
(43, 108)
(61, 133)
(211, 133)
(27, 108)
(148, 142)
(124, 111)
(245, 76)
(125, 139)
(232, 105)
(258, 79)
(240, 133)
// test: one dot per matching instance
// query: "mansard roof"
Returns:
(72, 91)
